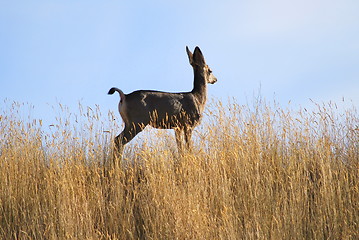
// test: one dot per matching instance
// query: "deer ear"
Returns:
(190, 55)
(198, 57)
(197, 50)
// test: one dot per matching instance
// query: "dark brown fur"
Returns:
(178, 111)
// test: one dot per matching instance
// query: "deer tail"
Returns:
(114, 89)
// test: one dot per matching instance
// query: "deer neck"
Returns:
(199, 85)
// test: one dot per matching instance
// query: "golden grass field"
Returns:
(256, 172)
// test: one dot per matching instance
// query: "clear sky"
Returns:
(64, 51)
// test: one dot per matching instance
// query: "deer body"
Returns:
(163, 110)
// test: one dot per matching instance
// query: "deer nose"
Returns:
(214, 80)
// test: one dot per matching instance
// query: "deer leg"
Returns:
(128, 133)
(118, 146)
(187, 138)
(178, 134)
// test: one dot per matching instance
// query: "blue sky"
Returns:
(69, 51)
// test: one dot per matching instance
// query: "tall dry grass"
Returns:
(261, 172)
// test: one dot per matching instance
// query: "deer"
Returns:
(181, 111)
